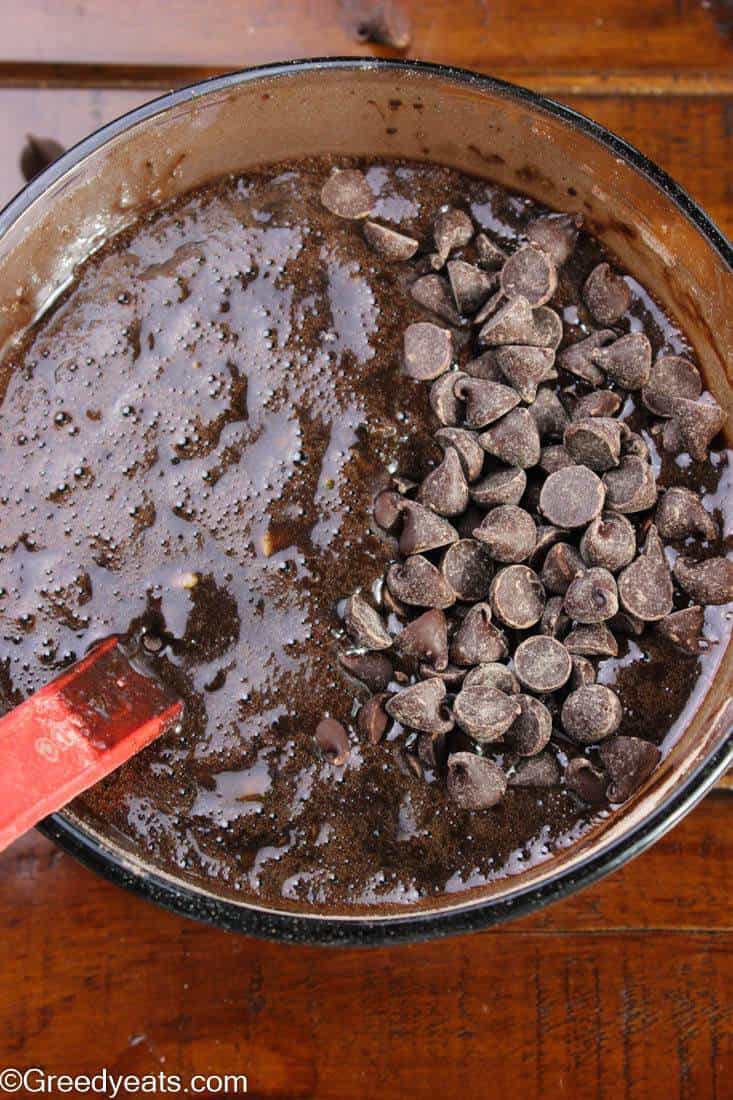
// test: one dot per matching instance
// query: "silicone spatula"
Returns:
(74, 731)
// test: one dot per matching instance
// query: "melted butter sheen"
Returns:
(192, 441)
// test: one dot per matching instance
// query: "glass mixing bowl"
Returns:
(481, 126)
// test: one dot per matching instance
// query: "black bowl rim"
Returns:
(360, 930)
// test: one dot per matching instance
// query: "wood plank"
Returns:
(67, 115)
(691, 138)
(589, 1013)
(657, 36)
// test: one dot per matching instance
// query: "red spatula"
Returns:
(74, 731)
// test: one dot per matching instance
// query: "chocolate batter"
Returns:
(193, 438)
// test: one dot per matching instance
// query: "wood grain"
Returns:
(490, 35)
(623, 989)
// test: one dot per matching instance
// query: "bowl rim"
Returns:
(359, 930)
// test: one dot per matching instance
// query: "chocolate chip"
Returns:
(423, 530)
(392, 605)
(489, 308)
(407, 761)
(468, 569)
(509, 325)
(485, 401)
(542, 664)
(530, 273)
(421, 707)
(683, 629)
(492, 674)
(585, 781)
(489, 254)
(555, 457)
(484, 712)
(470, 451)
(606, 295)
(477, 639)
(671, 377)
(418, 583)
(426, 639)
(572, 497)
(452, 229)
(554, 621)
(628, 625)
(594, 442)
(443, 401)
(333, 741)
(470, 285)
(387, 510)
(592, 596)
(445, 489)
(591, 640)
(681, 513)
(598, 403)
(517, 597)
(484, 366)
(548, 414)
(633, 444)
(37, 154)
(541, 771)
(583, 672)
(547, 330)
(388, 243)
(374, 670)
(384, 22)
(627, 361)
(631, 487)
(509, 532)
(628, 762)
(555, 234)
(428, 350)
(697, 423)
(469, 521)
(432, 293)
(365, 625)
(432, 750)
(347, 194)
(547, 536)
(609, 541)
(474, 783)
(708, 582)
(645, 586)
(525, 368)
(504, 486)
(576, 359)
(591, 713)
(560, 566)
(372, 719)
(514, 439)
(530, 732)
(671, 438)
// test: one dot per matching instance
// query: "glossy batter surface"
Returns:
(192, 441)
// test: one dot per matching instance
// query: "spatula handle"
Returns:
(74, 731)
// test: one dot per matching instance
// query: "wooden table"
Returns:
(621, 991)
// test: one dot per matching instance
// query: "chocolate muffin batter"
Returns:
(193, 439)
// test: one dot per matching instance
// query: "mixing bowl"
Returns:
(481, 126)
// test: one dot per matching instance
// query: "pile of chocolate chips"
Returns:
(505, 589)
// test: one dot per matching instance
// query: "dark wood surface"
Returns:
(622, 991)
